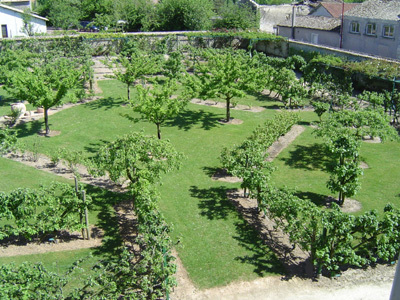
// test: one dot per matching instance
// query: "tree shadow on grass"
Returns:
(130, 118)
(271, 101)
(262, 257)
(29, 128)
(211, 171)
(308, 157)
(103, 202)
(94, 147)
(105, 103)
(187, 119)
(215, 205)
(317, 199)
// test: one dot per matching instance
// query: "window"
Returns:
(355, 27)
(370, 29)
(388, 31)
(4, 33)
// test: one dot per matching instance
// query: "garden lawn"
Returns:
(303, 166)
(217, 246)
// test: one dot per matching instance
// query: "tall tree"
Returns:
(65, 13)
(184, 14)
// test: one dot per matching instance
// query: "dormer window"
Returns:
(388, 31)
(355, 27)
(370, 29)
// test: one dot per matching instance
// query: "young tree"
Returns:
(344, 131)
(248, 161)
(173, 67)
(158, 104)
(224, 75)
(346, 172)
(136, 156)
(29, 28)
(135, 66)
(320, 108)
(45, 83)
(8, 140)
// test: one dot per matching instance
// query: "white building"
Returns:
(12, 25)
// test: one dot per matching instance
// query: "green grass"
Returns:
(217, 246)
(15, 175)
(303, 166)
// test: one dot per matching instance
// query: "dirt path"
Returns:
(34, 248)
(223, 105)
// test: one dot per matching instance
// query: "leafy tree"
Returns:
(248, 161)
(374, 99)
(158, 104)
(224, 75)
(41, 211)
(136, 156)
(30, 281)
(346, 172)
(236, 16)
(65, 13)
(129, 69)
(320, 108)
(294, 93)
(139, 14)
(92, 8)
(173, 67)
(343, 131)
(13, 59)
(46, 83)
(176, 15)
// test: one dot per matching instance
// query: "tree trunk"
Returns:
(342, 183)
(128, 91)
(158, 131)
(46, 120)
(228, 109)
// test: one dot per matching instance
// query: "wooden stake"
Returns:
(86, 216)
